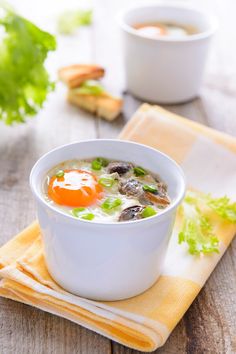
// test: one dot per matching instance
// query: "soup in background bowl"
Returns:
(108, 260)
(165, 29)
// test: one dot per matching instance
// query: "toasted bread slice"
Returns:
(74, 75)
(105, 105)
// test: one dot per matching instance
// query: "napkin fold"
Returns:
(143, 322)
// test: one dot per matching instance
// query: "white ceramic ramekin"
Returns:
(106, 261)
(165, 70)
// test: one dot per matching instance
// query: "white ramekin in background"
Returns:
(106, 261)
(165, 70)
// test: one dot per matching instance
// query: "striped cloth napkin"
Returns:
(145, 321)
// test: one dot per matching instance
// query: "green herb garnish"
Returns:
(149, 188)
(90, 87)
(106, 181)
(69, 21)
(24, 81)
(98, 163)
(111, 203)
(139, 171)
(148, 211)
(76, 211)
(80, 213)
(104, 162)
(87, 216)
(60, 174)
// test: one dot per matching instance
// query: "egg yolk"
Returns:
(76, 188)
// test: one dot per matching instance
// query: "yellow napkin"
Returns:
(145, 321)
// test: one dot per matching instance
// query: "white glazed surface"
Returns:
(165, 70)
(106, 261)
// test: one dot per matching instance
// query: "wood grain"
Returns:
(209, 326)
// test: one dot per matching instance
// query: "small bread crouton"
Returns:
(74, 75)
(109, 107)
(87, 102)
(104, 105)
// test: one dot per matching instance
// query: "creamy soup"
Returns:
(166, 29)
(105, 190)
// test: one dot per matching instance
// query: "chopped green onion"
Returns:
(111, 203)
(106, 181)
(148, 211)
(149, 188)
(76, 211)
(87, 216)
(139, 171)
(96, 165)
(60, 174)
(90, 87)
(104, 162)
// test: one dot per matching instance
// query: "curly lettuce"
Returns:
(24, 81)
(197, 230)
(223, 207)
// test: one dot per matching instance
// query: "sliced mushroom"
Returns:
(131, 213)
(119, 167)
(161, 201)
(134, 188)
(144, 199)
(131, 187)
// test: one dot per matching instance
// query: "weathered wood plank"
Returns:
(26, 330)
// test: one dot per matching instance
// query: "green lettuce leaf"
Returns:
(197, 230)
(69, 21)
(24, 81)
(223, 207)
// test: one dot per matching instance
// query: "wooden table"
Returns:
(209, 326)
